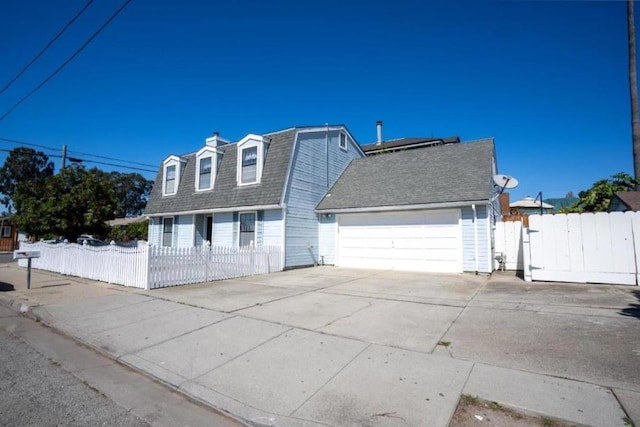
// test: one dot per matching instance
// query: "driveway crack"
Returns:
(369, 305)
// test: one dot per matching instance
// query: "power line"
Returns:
(65, 63)
(113, 164)
(78, 152)
(47, 46)
(31, 154)
(78, 160)
(30, 144)
(112, 158)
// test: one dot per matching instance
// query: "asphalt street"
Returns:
(36, 391)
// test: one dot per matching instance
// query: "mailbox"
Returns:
(28, 255)
(25, 254)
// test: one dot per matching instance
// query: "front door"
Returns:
(209, 229)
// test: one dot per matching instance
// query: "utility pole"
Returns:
(64, 156)
(633, 89)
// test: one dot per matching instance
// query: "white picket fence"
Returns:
(181, 266)
(583, 248)
(508, 239)
(152, 267)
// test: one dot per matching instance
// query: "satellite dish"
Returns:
(505, 181)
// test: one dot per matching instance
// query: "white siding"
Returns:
(155, 227)
(327, 239)
(223, 229)
(183, 231)
(272, 228)
(468, 240)
(317, 164)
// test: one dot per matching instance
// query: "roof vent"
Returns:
(379, 129)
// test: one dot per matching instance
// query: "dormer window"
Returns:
(170, 181)
(204, 173)
(251, 153)
(171, 174)
(208, 162)
(248, 174)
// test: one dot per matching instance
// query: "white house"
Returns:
(312, 192)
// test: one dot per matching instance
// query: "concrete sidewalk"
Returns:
(314, 347)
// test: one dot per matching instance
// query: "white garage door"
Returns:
(408, 240)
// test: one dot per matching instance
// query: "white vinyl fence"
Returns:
(508, 238)
(584, 248)
(180, 266)
(151, 267)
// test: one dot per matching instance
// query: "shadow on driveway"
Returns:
(6, 287)
(634, 309)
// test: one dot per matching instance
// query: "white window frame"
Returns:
(255, 227)
(173, 231)
(171, 161)
(251, 141)
(3, 229)
(343, 137)
(198, 174)
(215, 155)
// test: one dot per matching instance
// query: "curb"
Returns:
(26, 310)
(20, 306)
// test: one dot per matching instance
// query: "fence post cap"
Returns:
(112, 243)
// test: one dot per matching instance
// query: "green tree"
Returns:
(22, 166)
(598, 197)
(132, 191)
(73, 202)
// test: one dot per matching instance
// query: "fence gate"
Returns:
(583, 248)
(508, 240)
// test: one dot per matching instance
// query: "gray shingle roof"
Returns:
(226, 193)
(443, 174)
(630, 198)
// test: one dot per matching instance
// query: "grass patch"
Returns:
(470, 398)
(495, 405)
(548, 422)
(628, 422)
(444, 343)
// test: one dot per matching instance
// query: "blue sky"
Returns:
(547, 80)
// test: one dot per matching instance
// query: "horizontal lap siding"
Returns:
(468, 240)
(307, 186)
(184, 230)
(272, 228)
(223, 229)
(155, 231)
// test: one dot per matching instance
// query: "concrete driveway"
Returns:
(332, 346)
(585, 333)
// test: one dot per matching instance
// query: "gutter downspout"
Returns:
(326, 153)
(475, 234)
(283, 252)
